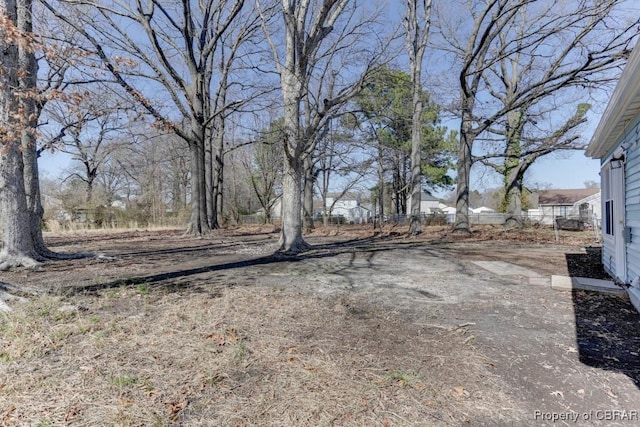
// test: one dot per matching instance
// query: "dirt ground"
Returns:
(364, 329)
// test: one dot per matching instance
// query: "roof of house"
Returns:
(427, 197)
(623, 106)
(565, 197)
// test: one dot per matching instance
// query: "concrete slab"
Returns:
(540, 281)
(502, 268)
(566, 283)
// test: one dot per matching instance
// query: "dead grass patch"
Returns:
(236, 356)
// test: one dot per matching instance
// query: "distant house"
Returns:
(581, 203)
(276, 209)
(350, 207)
(616, 143)
(449, 210)
(428, 204)
(481, 209)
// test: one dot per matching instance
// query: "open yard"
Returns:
(364, 329)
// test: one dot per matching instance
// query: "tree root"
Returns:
(8, 293)
(57, 256)
(296, 247)
(193, 231)
(8, 261)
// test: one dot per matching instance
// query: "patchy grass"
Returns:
(234, 357)
(168, 330)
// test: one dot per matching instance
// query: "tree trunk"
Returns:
(291, 240)
(415, 226)
(209, 179)
(465, 161)
(513, 198)
(28, 82)
(308, 194)
(417, 32)
(325, 213)
(219, 188)
(88, 197)
(214, 175)
(198, 224)
(513, 194)
(512, 202)
(16, 233)
(215, 191)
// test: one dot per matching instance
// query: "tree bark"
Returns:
(308, 194)
(381, 187)
(214, 177)
(28, 83)
(198, 224)
(512, 202)
(417, 37)
(415, 225)
(217, 180)
(461, 225)
(291, 76)
(18, 247)
(291, 240)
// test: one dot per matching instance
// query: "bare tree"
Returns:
(21, 106)
(231, 59)
(174, 54)
(151, 171)
(339, 158)
(265, 169)
(310, 53)
(523, 142)
(90, 125)
(587, 41)
(18, 246)
(417, 26)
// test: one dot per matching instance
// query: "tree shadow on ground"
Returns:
(369, 245)
(607, 333)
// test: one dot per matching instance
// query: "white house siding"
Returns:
(618, 127)
(595, 204)
(428, 204)
(632, 199)
(630, 140)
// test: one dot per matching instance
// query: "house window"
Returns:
(607, 201)
(608, 218)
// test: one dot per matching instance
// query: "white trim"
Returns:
(619, 218)
(623, 106)
(634, 296)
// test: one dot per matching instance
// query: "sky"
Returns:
(570, 172)
(559, 171)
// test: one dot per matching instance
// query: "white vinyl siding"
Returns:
(632, 201)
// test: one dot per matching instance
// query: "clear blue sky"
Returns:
(51, 166)
(565, 170)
